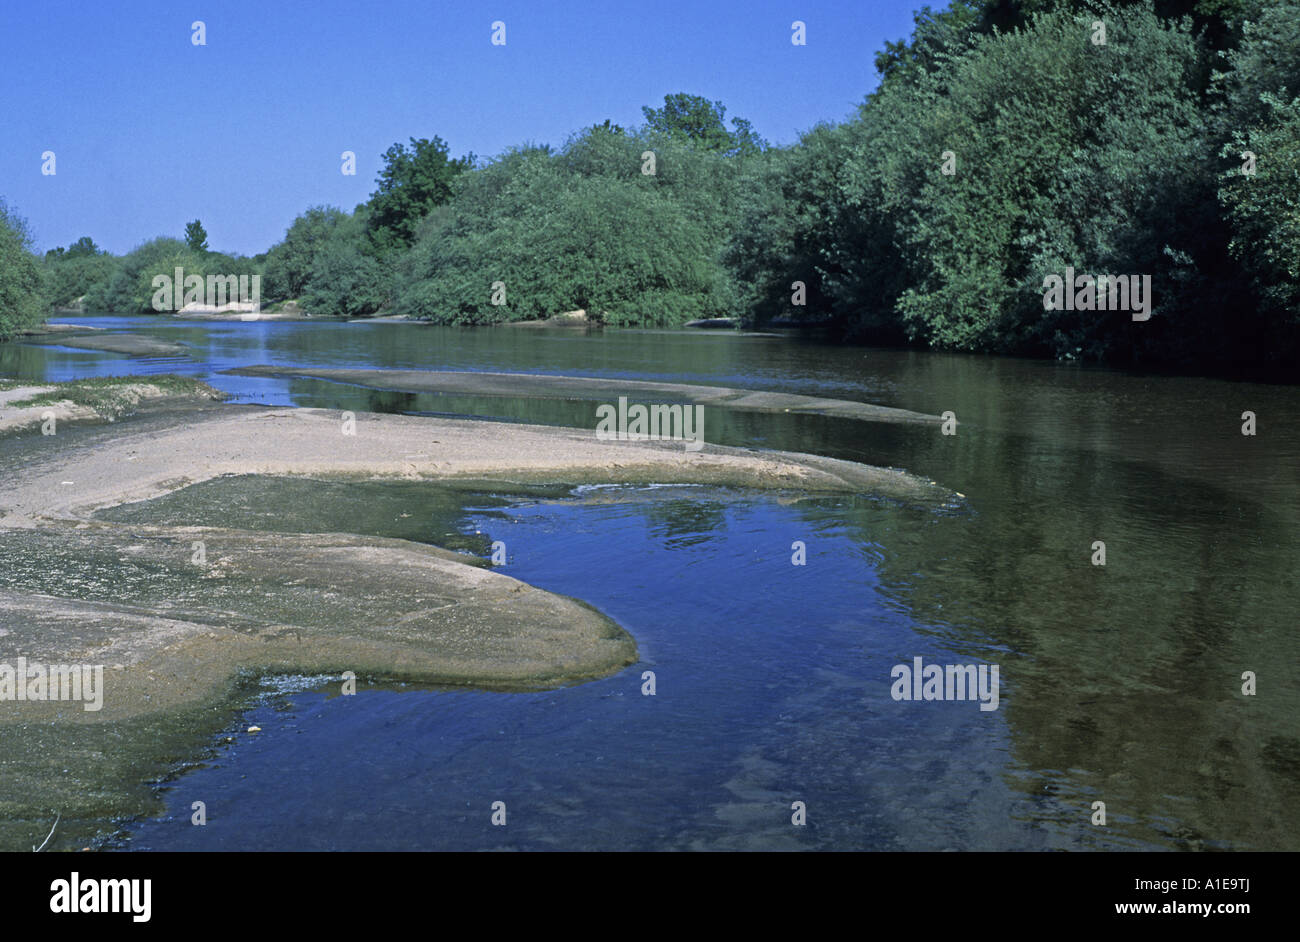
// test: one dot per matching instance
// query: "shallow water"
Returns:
(775, 702)
(1118, 683)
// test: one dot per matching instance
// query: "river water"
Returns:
(1119, 683)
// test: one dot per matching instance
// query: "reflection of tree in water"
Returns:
(387, 400)
(319, 394)
(20, 360)
(682, 523)
(1123, 682)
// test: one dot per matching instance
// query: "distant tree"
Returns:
(700, 122)
(582, 228)
(196, 237)
(84, 247)
(289, 263)
(125, 285)
(70, 273)
(345, 279)
(412, 182)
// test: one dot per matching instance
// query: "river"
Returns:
(1119, 683)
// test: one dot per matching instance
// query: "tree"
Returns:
(1264, 206)
(196, 237)
(125, 285)
(934, 37)
(412, 182)
(797, 226)
(70, 273)
(344, 278)
(289, 263)
(696, 120)
(582, 228)
(1260, 116)
(22, 297)
(988, 160)
(84, 247)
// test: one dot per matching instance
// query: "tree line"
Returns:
(1007, 141)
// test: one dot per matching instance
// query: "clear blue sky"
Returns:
(150, 131)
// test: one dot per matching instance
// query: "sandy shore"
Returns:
(248, 440)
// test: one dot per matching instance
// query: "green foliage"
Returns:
(129, 289)
(795, 227)
(584, 228)
(1260, 113)
(22, 298)
(1064, 154)
(344, 278)
(196, 237)
(698, 121)
(84, 247)
(1068, 154)
(935, 35)
(1266, 62)
(71, 272)
(412, 183)
(1264, 208)
(289, 263)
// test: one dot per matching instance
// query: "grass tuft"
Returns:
(111, 396)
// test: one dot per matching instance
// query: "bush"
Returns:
(22, 287)
(130, 290)
(70, 273)
(584, 228)
(289, 262)
(345, 278)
